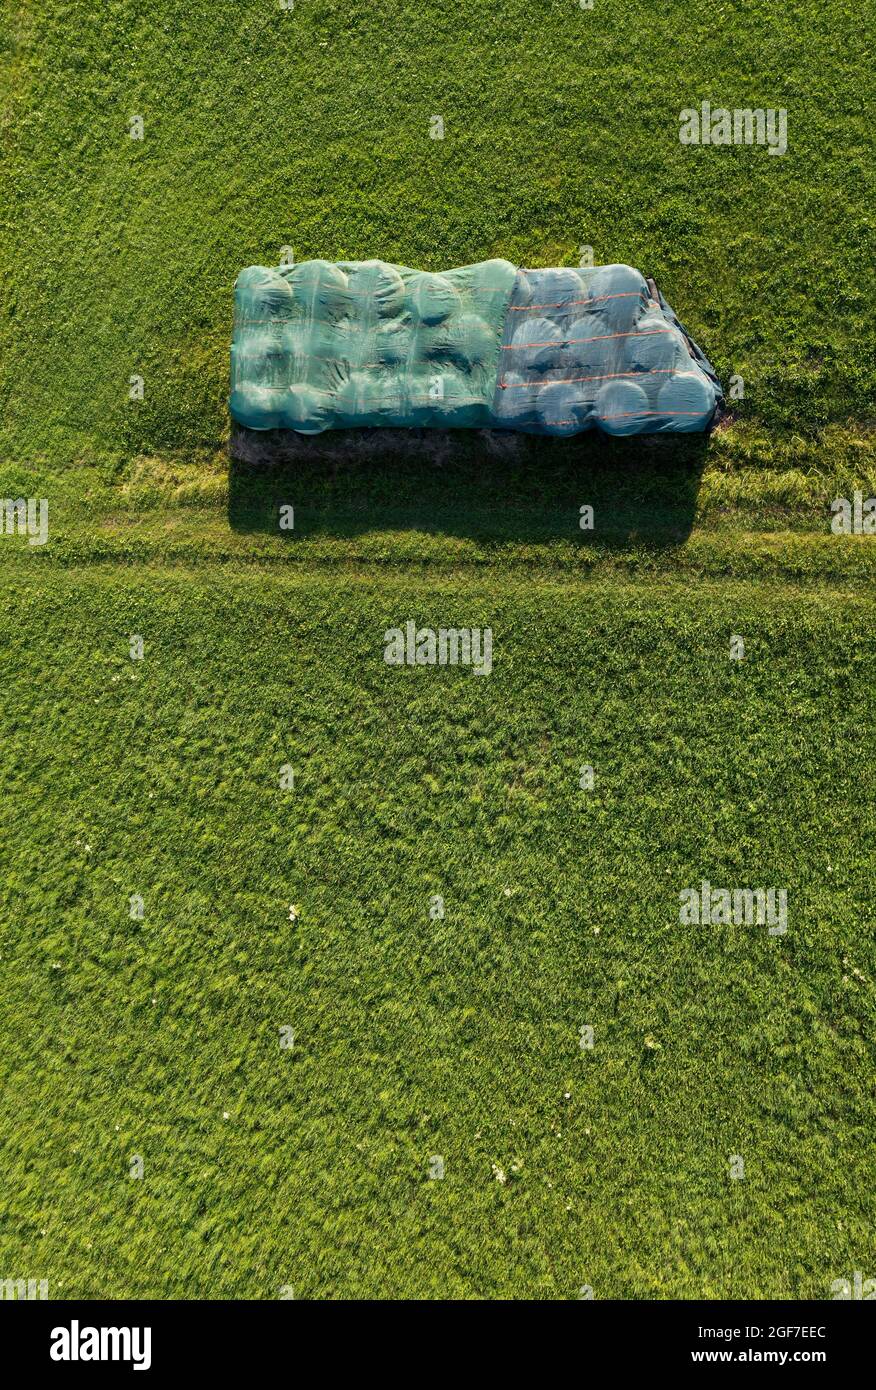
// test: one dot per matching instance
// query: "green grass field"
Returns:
(309, 1167)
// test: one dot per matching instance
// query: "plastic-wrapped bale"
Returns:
(325, 346)
(598, 348)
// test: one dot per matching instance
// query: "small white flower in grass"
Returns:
(294, 912)
(498, 1173)
(507, 892)
(226, 1114)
